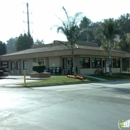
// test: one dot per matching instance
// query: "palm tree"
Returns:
(128, 43)
(108, 32)
(70, 29)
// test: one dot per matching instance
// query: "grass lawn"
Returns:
(59, 80)
(125, 74)
(119, 77)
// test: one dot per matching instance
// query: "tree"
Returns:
(124, 23)
(24, 42)
(108, 32)
(39, 42)
(11, 45)
(124, 26)
(70, 29)
(128, 43)
(2, 48)
(86, 25)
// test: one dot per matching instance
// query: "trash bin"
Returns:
(51, 70)
(54, 69)
(47, 70)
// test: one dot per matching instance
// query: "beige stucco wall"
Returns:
(14, 72)
(54, 60)
(42, 59)
(92, 70)
(29, 66)
(88, 71)
(77, 62)
(115, 70)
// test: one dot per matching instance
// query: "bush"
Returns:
(39, 68)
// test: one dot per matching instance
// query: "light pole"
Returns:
(28, 24)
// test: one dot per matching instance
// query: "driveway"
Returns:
(13, 80)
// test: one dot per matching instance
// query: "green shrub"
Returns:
(39, 68)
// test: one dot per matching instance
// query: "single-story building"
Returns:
(88, 57)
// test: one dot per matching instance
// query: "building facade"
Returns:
(88, 58)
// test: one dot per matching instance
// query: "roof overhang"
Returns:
(77, 51)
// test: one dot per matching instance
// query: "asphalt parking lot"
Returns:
(94, 106)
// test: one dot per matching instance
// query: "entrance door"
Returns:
(14, 67)
(67, 65)
(106, 65)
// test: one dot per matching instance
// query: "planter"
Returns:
(6, 74)
(40, 75)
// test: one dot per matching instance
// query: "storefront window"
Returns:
(96, 62)
(84, 62)
(116, 63)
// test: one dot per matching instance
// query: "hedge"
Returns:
(39, 68)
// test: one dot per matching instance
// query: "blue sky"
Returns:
(42, 15)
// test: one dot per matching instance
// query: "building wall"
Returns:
(77, 62)
(115, 70)
(92, 70)
(88, 71)
(29, 66)
(57, 61)
(54, 60)
(14, 71)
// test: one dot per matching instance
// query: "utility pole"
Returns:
(28, 23)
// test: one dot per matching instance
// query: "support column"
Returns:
(9, 67)
(90, 62)
(102, 62)
(47, 62)
(111, 62)
(61, 62)
(120, 65)
(20, 67)
(77, 60)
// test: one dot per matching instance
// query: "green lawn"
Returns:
(118, 77)
(125, 74)
(59, 80)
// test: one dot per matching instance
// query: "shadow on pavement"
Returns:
(116, 82)
(122, 90)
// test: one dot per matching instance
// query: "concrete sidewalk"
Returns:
(20, 77)
(20, 80)
(16, 81)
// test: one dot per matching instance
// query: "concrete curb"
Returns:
(13, 86)
(50, 85)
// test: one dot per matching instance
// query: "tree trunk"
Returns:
(110, 64)
(73, 59)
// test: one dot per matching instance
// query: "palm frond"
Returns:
(78, 14)
(60, 29)
(68, 18)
